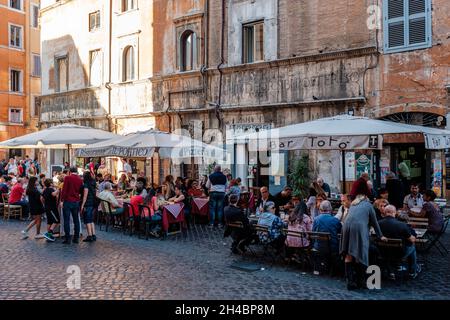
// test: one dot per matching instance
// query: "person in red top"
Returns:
(360, 186)
(195, 190)
(70, 202)
(16, 197)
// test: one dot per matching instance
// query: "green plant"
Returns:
(300, 178)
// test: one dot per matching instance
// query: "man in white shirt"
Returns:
(107, 195)
(126, 166)
(414, 199)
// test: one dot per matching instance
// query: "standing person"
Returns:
(216, 185)
(91, 167)
(404, 175)
(88, 205)
(42, 179)
(355, 239)
(50, 197)
(11, 167)
(36, 209)
(70, 202)
(361, 185)
(102, 169)
(126, 166)
(394, 188)
(203, 182)
(20, 169)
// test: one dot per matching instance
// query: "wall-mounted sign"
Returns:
(436, 142)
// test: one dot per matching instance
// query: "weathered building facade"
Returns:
(97, 61)
(267, 63)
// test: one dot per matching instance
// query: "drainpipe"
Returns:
(108, 84)
(222, 62)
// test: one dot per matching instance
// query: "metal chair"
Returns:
(129, 221)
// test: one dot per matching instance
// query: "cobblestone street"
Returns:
(193, 266)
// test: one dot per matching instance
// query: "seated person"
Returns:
(414, 200)
(342, 213)
(195, 190)
(265, 197)
(325, 186)
(383, 194)
(241, 237)
(314, 209)
(123, 183)
(283, 198)
(107, 195)
(4, 188)
(431, 211)
(139, 190)
(182, 199)
(299, 221)
(17, 197)
(379, 206)
(275, 226)
(326, 222)
(395, 229)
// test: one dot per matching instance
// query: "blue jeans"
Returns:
(411, 254)
(71, 209)
(216, 206)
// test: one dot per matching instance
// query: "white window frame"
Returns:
(122, 9)
(21, 36)
(20, 81)
(100, 18)
(21, 6)
(100, 56)
(21, 115)
(32, 6)
(34, 65)
(252, 25)
(406, 19)
(124, 69)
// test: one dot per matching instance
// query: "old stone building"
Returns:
(97, 62)
(242, 65)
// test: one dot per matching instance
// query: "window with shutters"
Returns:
(15, 115)
(35, 16)
(253, 42)
(15, 36)
(36, 65)
(15, 4)
(94, 21)
(128, 5)
(15, 80)
(407, 25)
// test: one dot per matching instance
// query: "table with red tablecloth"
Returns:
(172, 213)
(200, 207)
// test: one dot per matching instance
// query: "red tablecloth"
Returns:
(172, 213)
(200, 206)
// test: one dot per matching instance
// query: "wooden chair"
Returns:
(10, 210)
(391, 254)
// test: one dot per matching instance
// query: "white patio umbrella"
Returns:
(144, 144)
(58, 137)
(343, 132)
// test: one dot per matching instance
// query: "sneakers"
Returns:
(24, 235)
(94, 237)
(49, 236)
(39, 236)
(415, 274)
(88, 239)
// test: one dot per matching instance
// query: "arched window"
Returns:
(188, 51)
(128, 64)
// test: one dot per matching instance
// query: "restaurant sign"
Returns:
(436, 141)
(125, 152)
(320, 143)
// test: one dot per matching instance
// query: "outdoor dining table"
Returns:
(172, 213)
(200, 207)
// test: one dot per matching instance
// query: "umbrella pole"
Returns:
(151, 168)
(343, 173)
(68, 154)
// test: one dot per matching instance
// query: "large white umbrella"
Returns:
(343, 132)
(145, 143)
(58, 137)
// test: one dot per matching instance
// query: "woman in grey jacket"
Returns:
(356, 239)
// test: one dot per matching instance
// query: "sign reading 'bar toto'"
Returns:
(437, 142)
(322, 143)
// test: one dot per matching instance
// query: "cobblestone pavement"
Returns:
(194, 265)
